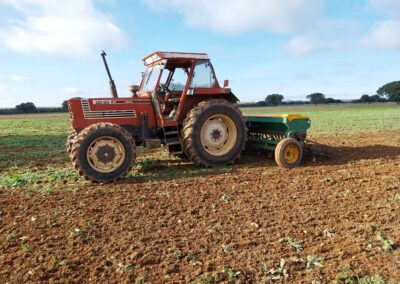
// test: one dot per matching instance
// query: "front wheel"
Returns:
(103, 152)
(214, 133)
(288, 153)
(70, 141)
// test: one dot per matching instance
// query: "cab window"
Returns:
(203, 76)
(151, 76)
(179, 79)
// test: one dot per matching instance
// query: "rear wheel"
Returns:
(103, 152)
(214, 133)
(288, 153)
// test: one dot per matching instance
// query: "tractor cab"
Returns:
(171, 76)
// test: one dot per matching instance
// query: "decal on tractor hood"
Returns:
(114, 102)
(89, 114)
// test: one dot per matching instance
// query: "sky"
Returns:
(50, 49)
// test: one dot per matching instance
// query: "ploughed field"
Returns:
(334, 218)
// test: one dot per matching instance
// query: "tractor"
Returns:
(180, 105)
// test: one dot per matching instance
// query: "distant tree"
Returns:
(365, 99)
(379, 99)
(316, 98)
(376, 98)
(372, 99)
(332, 101)
(391, 91)
(261, 103)
(274, 100)
(64, 106)
(26, 108)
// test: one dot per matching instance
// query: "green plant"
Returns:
(25, 248)
(232, 274)
(275, 273)
(226, 198)
(345, 192)
(387, 245)
(12, 237)
(329, 233)
(15, 179)
(227, 249)
(377, 279)
(329, 181)
(178, 254)
(141, 280)
(346, 276)
(53, 260)
(48, 192)
(207, 278)
(293, 243)
(193, 259)
(313, 262)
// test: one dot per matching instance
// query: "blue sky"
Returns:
(49, 50)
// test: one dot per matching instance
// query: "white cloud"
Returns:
(388, 6)
(63, 27)
(299, 46)
(384, 35)
(4, 89)
(239, 16)
(17, 78)
(71, 91)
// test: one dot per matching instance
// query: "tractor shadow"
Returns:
(175, 169)
(170, 169)
(339, 155)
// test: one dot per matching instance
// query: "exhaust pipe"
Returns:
(113, 89)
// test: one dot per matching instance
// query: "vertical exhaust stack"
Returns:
(113, 89)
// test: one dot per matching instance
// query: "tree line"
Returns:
(387, 93)
(29, 107)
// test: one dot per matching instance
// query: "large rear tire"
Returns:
(103, 152)
(214, 133)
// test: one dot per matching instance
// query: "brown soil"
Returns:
(191, 228)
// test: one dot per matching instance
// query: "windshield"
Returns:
(150, 77)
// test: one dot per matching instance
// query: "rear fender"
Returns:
(192, 101)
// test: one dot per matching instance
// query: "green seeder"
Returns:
(282, 133)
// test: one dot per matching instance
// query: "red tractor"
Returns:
(179, 104)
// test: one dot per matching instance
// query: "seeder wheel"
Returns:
(288, 153)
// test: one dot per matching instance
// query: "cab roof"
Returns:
(161, 55)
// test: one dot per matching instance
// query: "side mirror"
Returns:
(226, 83)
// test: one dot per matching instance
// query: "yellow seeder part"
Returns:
(288, 116)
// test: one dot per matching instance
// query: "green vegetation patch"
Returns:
(341, 119)
(47, 180)
(33, 141)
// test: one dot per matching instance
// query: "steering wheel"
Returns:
(163, 88)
